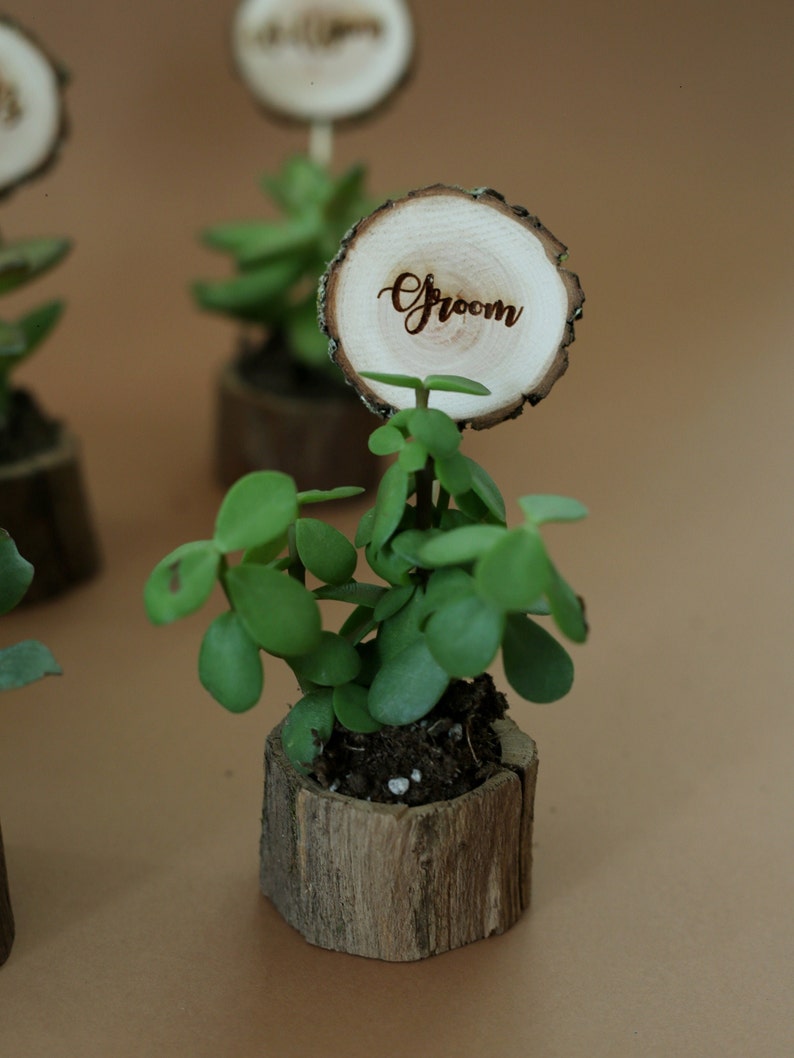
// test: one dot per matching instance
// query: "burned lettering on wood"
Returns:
(10, 106)
(416, 299)
(317, 30)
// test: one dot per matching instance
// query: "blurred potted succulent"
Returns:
(42, 499)
(20, 664)
(282, 403)
(397, 816)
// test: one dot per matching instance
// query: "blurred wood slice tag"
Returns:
(322, 60)
(32, 119)
(446, 281)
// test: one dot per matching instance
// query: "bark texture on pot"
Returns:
(43, 505)
(398, 883)
(6, 914)
(320, 442)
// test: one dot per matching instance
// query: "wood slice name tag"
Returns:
(31, 106)
(322, 60)
(447, 281)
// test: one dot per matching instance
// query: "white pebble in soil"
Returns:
(398, 786)
(416, 775)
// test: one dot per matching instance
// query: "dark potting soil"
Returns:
(447, 753)
(27, 431)
(269, 365)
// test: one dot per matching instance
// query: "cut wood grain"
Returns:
(398, 883)
(446, 281)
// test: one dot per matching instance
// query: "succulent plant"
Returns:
(454, 586)
(20, 262)
(29, 660)
(278, 263)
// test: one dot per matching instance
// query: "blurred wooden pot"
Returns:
(317, 435)
(394, 882)
(43, 506)
(6, 913)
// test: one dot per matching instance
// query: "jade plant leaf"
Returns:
(390, 379)
(456, 384)
(182, 581)
(334, 661)
(24, 259)
(352, 710)
(278, 613)
(324, 551)
(437, 432)
(343, 492)
(230, 666)
(16, 573)
(566, 608)
(514, 573)
(354, 592)
(536, 666)
(303, 334)
(407, 685)
(36, 325)
(25, 662)
(257, 509)
(385, 440)
(454, 474)
(393, 601)
(307, 728)
(464, 636)
(389, 505)
(413, 456)
(542, 508)
(12, 340)
(485, 489)
(402, 628)
(462, 545)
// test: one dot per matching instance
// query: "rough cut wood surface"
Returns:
(43, 505)
(398, 883)
(6, 914)
(447, 281)
(321, 443)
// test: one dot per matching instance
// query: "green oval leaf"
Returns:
(456, 384)
(230, 665)
(454, 474)
(514, 573)
(181, 582)
(402, 628)
(447, 585)
(461, 546)
(566, 608)
(16, 573)
(464, 636)
(307, 728)
(485, 489)
(278, 613)
(324, 551)
(392, 567)
(407, 686)
(257, 509)
(385, 440)
(545, 508)
(343, 492)
(389, 505)
(352, 711)
(410, 543)
(332, 662)
(389, 379)
(413, 457)
(437, 432)
(393, 601)
(25, 662)
(536, 666)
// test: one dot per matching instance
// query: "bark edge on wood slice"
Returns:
(320, 442)
(44, 507)
(397, 883)
(6, 912)
(447, 281)
(33, 121)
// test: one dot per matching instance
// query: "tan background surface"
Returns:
(655, 139)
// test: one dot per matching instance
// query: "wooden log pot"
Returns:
(6, 914)
(43, 506)
(321, 441)
(394, 882)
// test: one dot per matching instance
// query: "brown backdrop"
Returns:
(655, 139)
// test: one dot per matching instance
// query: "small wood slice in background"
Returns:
(322, 60)
(446, 281)
(32, 115)
(6, 913)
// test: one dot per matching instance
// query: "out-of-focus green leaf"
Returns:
(16, 573)
(540, 509)
(464, 635)
(536, 666)
(407, 686)
(461, 546)
(456, 384)
(307, 728)
(343, 492)
(257, 509)
(514, 573)
(230, 665)
(566, 608)
(181, 582)
(25, 662)
(279, 614)
(24, 259)
(332, 662)
(437, 432)
(389, 505)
